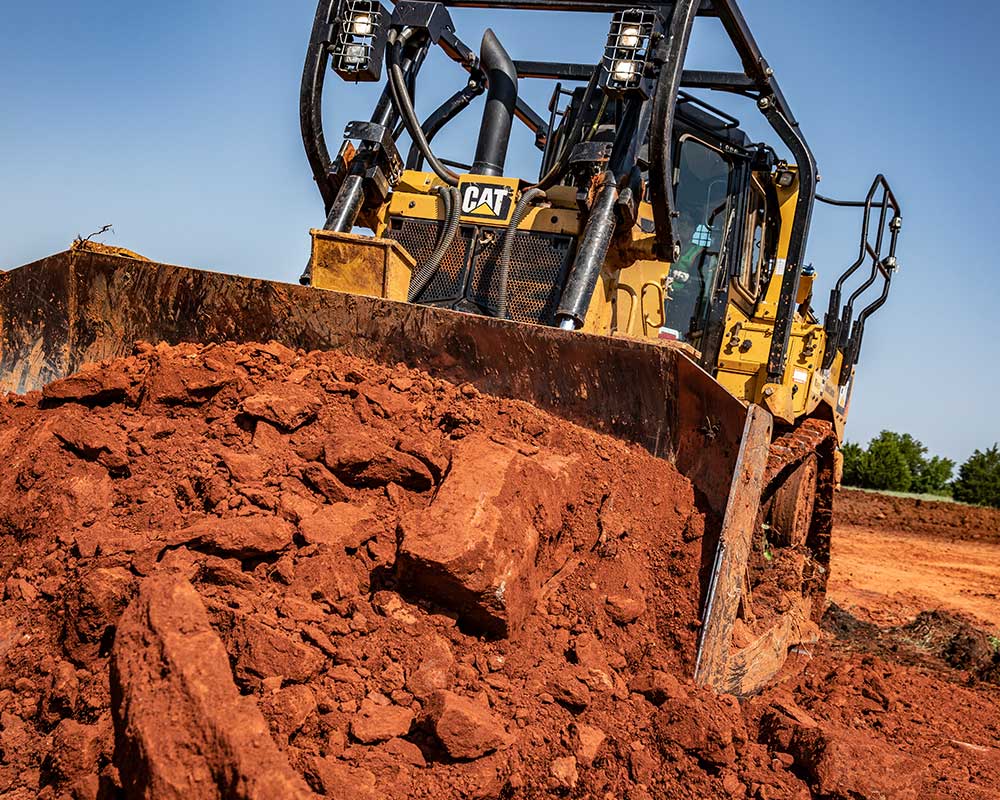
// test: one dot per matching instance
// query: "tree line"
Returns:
(899, 462)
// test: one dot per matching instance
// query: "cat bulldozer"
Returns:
(649, 282)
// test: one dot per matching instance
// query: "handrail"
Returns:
(843, 332)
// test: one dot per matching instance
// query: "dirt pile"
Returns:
(245, 572)
(916, 515)
(420, 589)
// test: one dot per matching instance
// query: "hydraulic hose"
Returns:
(529, 196)
(549, 179)
(404, 105)
(311, 104)
(452, 201)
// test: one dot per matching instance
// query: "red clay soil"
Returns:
(894, 558)
(245, 572)
(911, 515)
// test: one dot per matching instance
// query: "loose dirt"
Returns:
(246, 572)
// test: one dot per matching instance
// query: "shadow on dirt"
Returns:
(938, 640)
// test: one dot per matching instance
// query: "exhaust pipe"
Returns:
(501, 98)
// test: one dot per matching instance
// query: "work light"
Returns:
(784, 178)
(627, 49)
(360, 43)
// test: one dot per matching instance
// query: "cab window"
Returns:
(701, 192)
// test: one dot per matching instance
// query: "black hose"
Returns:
(404, 105)
(550, 178)
(507, 251)
(311, 104)
(591, 254)
(452, 201)
(441, 116)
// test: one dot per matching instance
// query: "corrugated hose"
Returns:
(507, 252)
(452, 201)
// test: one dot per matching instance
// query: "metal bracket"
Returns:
(380, 137)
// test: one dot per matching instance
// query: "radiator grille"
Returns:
(419, 237)
(538, 269)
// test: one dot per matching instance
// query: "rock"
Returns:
(405, 751)
(466, 729)
(92, 443)
(564, 773)
(290, 410)
(657, 686)
(174, 383)
(390, 604)
(363, 460)
(625, 608)
(590, 653)
(287, 709)
(732, 786)
(587, 743)
(782, 720)
(244, 467)
(378, 723)
(75, 753)
(390, 404)
(435, 670)
(261, 651)
(319, 638)
(849, 764)
(437, 460)
(340, 525)
(475, 549)
(61, 693)
(326, 575)
(182, 729)
(91, 386)
(276, 350)
(91, 611)
(642, 766)
(342, 781)
(702, 724)
(236, 537)
(320, 479)
(569, 690)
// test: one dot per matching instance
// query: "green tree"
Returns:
(898, 462)
(886, 465)
(934, 476)
(854, 464)
(979, 479)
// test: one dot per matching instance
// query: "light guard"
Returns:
(360, 45)
(627, 48)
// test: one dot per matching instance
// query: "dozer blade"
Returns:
(84, 306)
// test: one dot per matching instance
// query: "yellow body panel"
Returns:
(347, 262)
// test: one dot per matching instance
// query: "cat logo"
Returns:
(487, 201)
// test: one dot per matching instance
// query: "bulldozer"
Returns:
(650, 282)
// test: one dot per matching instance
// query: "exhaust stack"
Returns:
(501, 98)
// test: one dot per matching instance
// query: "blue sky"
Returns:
(178, 124)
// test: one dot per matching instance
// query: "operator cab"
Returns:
(723, 184)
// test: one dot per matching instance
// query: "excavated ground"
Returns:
(245, 572)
